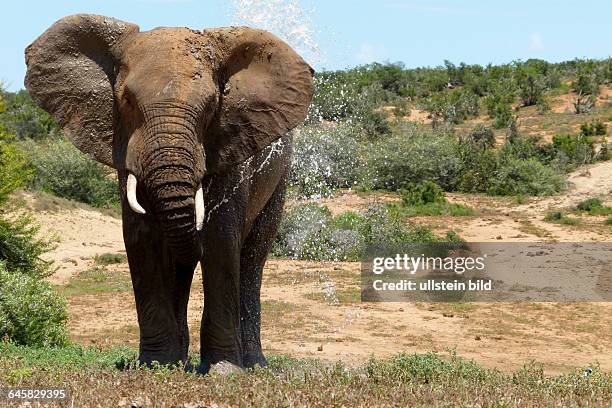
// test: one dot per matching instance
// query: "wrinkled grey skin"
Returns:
(179, 109)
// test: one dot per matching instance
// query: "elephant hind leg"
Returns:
(253, 257)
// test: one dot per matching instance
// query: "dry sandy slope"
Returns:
(313, 308)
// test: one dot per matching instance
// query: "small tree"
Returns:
(481, 135)
(531, 85)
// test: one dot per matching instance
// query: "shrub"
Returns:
(560, 218)
(422, 193)
(478, 164)
(452, 106)
(579, 149)
(412, 155)
(586, 83)
(525, 176)
(21, 248)
(109, 258)
(14, 172)
(326, 157)
(531, 85)
(499, 107)
(583, 103)
(23, 118)
(594, 206)
(300, 227)
(543, 104)
(481, 135)
(340, 95)
(595, 128)
(31, 313)
(62, 170)
(309, 231)
(384, 226)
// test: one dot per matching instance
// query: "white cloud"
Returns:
(370, 53)
(536, 42)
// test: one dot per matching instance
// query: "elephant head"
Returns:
(168, 106)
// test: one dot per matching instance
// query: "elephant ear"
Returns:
(71, 74)
(266, 89)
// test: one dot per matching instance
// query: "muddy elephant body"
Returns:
(197, 124)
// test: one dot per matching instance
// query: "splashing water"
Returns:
(292, 22)
(287, 19)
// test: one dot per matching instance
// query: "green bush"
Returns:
(309, 231)
(499, 107)
(586, 83)
(579, 149)
(23, 118)
(452, 106)
(31, 313)
(516, 176)
(412, 155)
(422, 193)
(348, 94)
(109, 258)
(594, 206)
(481, 135)
(478, 164)
(560, 218)
(531, 84)
(595, 128)
(62, 170)
(21, 248)
(385, 226)
(14, 172)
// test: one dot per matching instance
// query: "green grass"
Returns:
(593, 206)
(608, 221)
(558, 217)
(96, 280)
(343, 296)
(109, 258)
(107, 377)
(435, 209)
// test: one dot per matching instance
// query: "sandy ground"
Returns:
(314, 309)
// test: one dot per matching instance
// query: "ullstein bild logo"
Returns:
(556, 272)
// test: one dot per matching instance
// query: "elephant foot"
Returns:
(251, 361)
(224, 368)
(152, 360)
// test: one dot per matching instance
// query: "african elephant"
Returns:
(197, 125)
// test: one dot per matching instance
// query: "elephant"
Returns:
(198, 125)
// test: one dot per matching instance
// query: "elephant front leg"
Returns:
(220, 331)
(161, 289)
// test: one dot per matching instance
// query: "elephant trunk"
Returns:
(172, 168)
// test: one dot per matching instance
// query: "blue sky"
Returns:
(336, 34)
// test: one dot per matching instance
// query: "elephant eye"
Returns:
(127, 98)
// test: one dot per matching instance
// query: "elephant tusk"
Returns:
(131, 195)
(199, 208)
